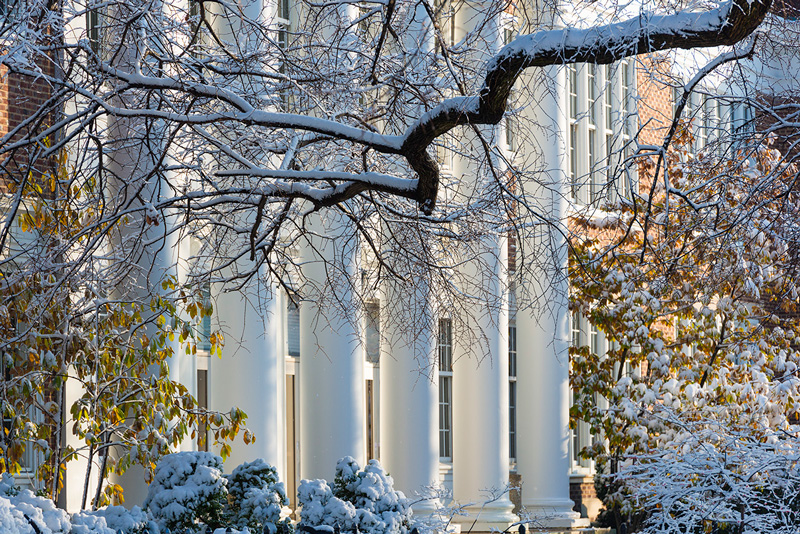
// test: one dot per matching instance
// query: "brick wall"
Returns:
(654, 106)
(582, 493)
(21, 99)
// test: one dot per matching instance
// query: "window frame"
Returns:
(445, 365)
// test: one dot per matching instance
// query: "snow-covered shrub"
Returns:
(88, 523)
(12, 520)
(188, 490)
(8, 486)
(321, 508)
(256, 498)
(715, 476)
(113, 520)
(362, 500)
(42, 511)
(22, 512)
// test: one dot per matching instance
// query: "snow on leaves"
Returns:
(703, 343)
(359, 501)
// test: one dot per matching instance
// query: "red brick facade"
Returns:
(21, 101)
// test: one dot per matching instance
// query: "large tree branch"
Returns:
(647, 33)
(725, 25)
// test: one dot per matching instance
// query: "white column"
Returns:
(409, 389)
(171, 260)
(480, 395)
(332, 401)
(542, 343)
(250, 374)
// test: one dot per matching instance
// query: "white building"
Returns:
(436, 407)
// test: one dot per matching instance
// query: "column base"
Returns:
(491, 517)
(552, 514)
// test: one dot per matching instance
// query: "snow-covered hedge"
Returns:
(114, 520)
(22, 512)
(360, 500)
(188, 495)
(257, 499)
(187, 488)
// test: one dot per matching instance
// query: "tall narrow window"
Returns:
(595, 340)
(283, 23)
(572, 82)
(677, 96)
(373, 331)
(443, 10)
(575, 329)
(629, 117)
(202, 403)
(508, 35)
(292, 442)
(293, 326)
(370, 416)
(608, 130)
(608, 96)
(595, 181)
(628, 126)
(595, 184)
(204, 339)
(592, 88)
(445, 388)
(510, 139)
(512, 392)
(609, 161)
(581, 432)
(576, 438)
(283, 9)
(573, 161)
(572, 89)
(93, 29)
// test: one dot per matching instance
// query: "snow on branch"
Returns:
(330, 195)
(725, 25)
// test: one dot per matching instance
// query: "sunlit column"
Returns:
(332, 401)
(250, 373)
(543, 340)
(409, 382)
(480, 395)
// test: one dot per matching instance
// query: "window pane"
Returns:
(512, 351)
(445, 345)
(592, 94)
(445, 426)
(204, 340)
(512, 420)
(293, 327)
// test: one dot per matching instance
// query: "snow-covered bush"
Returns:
(188, 490)
(189, 493)
(362, 500)
(12, 520)
(256, 498)
(715, 476)
(22, 512)
(113, 520)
